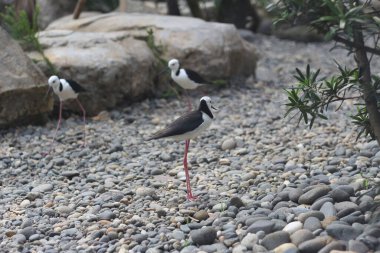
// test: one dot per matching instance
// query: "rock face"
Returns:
(22, 86)
(109, 56)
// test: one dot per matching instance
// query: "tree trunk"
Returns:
(78, 8)
(194, 8)
(122, 5)
(173, 8)
(369, 91)
(28, 6)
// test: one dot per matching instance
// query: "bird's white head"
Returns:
(173, 64)
(205, 105)
(54, 82)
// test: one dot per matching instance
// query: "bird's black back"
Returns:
(195, 76)
(182, 125)
(75, 86)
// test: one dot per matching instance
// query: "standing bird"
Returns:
(186, 78)
(65, 90)
(187, 127)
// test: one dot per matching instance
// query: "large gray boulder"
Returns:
(22, 86)
(108, 53)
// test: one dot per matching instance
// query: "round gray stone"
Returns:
(43, 188)
(19, 238)
(318, 214)
(312, 223)
(312, 195)
(357, 246)
(261, 225)
(345, 205)
(301, 235)
(314, 245)
(275, 239)
(28, 231)
(342, 232)
(203, 236)
(335, 245)
(228, 144)
(339, 195)
(107, 215)
(328, 209)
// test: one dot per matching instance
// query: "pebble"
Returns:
(237, 202)
(345, 205)
(342, 232)
(328, 209)
(334, 245)
(275, 239)
(107, 215)
(201, 215)
(28, 231)
(64, 210)
(70, 173)
(220, 207)
(139, 238)
(203, 236)
(301, 235)
(25, 203)
(19, 238)
(292, 227)
(357, 246)
(317, 214)
(313, 194)
(295, 194)
(314, 245)
(228, 144)
(261, 225)
(144, 191)
(43, 188)
(339, 195)
(312, 224)
(286, 248)
(249, 240)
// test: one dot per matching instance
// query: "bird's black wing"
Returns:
(182, 125)
(194, 76)
(75, 86)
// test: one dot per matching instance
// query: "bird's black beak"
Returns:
(214, 108)
(47, 93)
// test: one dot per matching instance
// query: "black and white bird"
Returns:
(186, 78)
(186, 127)
(65, 90)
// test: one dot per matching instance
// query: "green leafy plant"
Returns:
(157, 49)
(20, 28)
(353, 26)
(24, 31)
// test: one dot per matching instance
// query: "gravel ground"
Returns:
(263, 182)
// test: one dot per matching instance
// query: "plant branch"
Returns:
(356, 45)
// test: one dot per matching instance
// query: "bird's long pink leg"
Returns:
(84, 121)
(58, 125)
(189, 193)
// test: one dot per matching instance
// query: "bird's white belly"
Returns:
(184, 82)
(66, 94)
